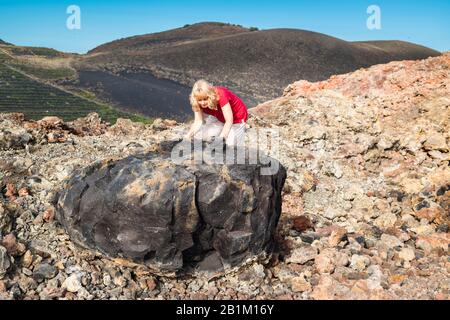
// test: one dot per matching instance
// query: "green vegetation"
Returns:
(4, 57)
(44, 68)
(35, 51)
(87, 94)
(19, 93)
(236, 25)
(45, 73)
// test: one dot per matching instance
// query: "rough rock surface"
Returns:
(173, 217)
(367, 172)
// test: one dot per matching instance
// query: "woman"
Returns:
(218, 113)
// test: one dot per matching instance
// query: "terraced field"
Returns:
(45, 73)
(19, 93)
(35, 51)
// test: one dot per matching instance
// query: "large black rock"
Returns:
(186, 217)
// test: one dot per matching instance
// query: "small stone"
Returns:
(23, 192)
(258, 271)
(107, 281)
(435, 154)
(50, 122)
(336, 236)
(324, 289)
(39, 220)
(27, 272)
(60, 265)
(341, 259)
(429, 213)
(307, 180)
(333, 213)
(385, 221)
(120, 282)
(170, 122)
(436, 142)
(199, 296)
(435, 241)
(407, 254)
(385, 142)
(9, 242)
(439, 296)
(72, 283)
(27, 283)
(40, 248)
(309, 237)
(27, 259)
(49, 215)
(302, 255)
(409, 221)
(299, 284)
(422, 204)
(389, 242)
(5, 220)
(302, 223)
(400, 233)
(359, 263)
(336, 170)
(361, 240)
(2, 287)
(324, 262)
(424, 230)
(5, 263)
(11, 191)
(352, 192)
(151, 284)
(376, 277)
(44, 271)
(14, 248)
(442, 190)
(412, 186)
(56, 136)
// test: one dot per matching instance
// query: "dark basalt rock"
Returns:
(190, 217)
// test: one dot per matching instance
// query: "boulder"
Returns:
(14, 138)
(176, 217)
(91, 125)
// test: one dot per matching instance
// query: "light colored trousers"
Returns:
(213, 127)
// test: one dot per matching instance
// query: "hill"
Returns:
(203, 30)
(5, 43)
(152, 74)
(255, 64)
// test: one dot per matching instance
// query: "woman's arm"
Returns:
(198, 122)
(228, 115)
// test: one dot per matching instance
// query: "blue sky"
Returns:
(43, 23)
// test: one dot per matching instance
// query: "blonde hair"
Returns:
(201, 90)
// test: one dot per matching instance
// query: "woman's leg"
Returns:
(213, 127)
(237, 134)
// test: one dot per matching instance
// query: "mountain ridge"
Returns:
(138, 73)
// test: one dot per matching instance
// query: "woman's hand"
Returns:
(188, 136)
(198, 122)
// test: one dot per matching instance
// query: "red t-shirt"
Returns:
(237, 106)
